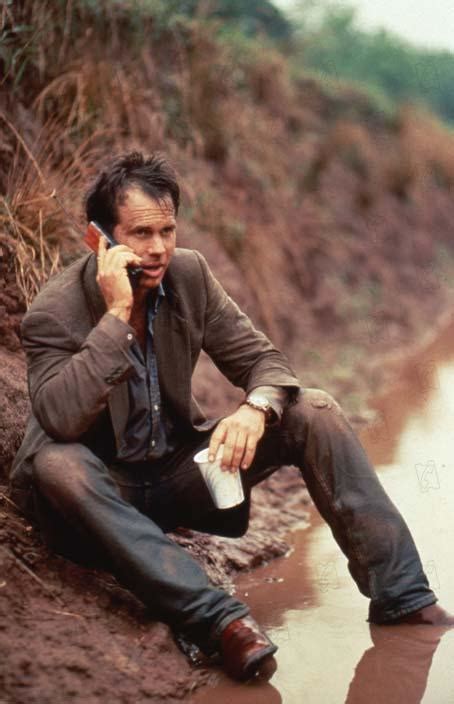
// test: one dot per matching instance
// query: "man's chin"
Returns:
(148, 281)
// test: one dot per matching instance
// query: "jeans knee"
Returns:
(61, 467)
(313, 407)
(318, 398)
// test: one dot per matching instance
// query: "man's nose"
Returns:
(156, 246)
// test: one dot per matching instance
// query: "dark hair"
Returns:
(153, 175)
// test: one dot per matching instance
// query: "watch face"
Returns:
(260, 401)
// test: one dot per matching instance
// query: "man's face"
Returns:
(148, 227)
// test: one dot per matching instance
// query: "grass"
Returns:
(30, 217)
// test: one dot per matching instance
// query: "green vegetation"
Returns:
(255, 17)
(252, 18)
(318, 36)
(331, 43)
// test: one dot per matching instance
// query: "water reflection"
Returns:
(308, 602)
(396, 669)
(228, 692)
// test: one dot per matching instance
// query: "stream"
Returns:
(307, 601)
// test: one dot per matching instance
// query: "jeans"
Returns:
(121, 514)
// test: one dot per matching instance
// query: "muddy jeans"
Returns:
(123, 513)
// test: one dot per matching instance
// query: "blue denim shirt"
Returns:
(148, 429)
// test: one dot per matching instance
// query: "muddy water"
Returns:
(328, 653)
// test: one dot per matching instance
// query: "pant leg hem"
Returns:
(378, 616)
(209, 645)
(224, 622)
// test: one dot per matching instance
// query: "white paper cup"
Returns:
(224, 486)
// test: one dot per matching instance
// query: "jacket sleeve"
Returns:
(242, 353)
(69, 381)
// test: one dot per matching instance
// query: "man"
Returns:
(107, 456)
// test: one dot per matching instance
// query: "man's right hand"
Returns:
(113, 278)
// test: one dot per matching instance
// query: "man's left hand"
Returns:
(240, 433)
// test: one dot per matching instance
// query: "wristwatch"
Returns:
(261, 403)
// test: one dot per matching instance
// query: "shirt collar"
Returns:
(161, 292)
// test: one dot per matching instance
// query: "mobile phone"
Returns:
(93, 234)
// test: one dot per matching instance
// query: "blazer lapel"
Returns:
(172, 345)
(118, 400)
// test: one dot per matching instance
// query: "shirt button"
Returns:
(129, 336)
(153, 443)
(156, 407)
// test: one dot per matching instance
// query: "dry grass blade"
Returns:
(31, 271)
(10, 555)
(28, 213)
(24, 146)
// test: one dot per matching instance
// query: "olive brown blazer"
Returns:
(78, 361)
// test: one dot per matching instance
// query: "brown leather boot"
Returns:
(246, 651)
